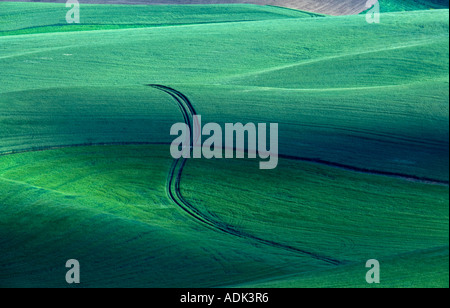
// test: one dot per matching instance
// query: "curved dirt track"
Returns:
(329, 7)
(174, 194)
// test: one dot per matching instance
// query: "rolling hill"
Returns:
(86, 173)
(412, 5)
(330, 7)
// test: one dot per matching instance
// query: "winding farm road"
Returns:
(174, 194)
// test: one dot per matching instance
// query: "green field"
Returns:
(47, 17)
(84, 161)
(411, 5)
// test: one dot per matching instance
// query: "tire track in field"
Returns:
(174, 193)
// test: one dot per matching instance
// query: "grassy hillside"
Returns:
(107, 207)
(30, 18)
(342, 214)
(47, 117)
(412, 5)
(427, 268)
(373, 98)
(330, 7)
(302, 73)
(52, 199)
